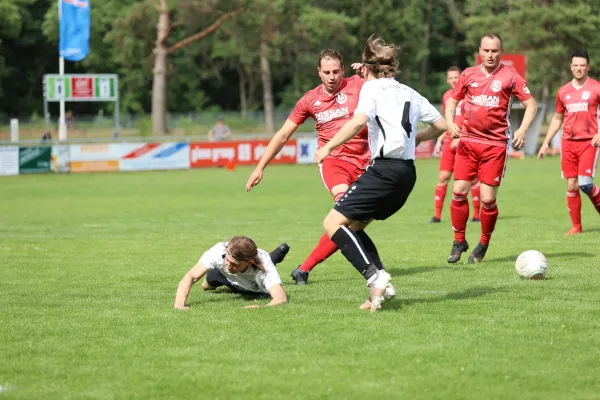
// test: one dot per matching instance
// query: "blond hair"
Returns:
(379, 57)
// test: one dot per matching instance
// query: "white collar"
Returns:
(485, 73)
(579, 87)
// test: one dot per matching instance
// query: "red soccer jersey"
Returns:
(581, 109)
(487, 102)
(445, 98)
(331, 112)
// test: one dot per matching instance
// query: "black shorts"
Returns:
(215, 278)
(380, 191)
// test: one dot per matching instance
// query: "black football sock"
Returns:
(352, 248)
(369, 246)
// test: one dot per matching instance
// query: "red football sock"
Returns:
(440, 195)
(459, 212)
(594, 196)
(574, 206)
(475, 199)
(489, 216)
(324, 249)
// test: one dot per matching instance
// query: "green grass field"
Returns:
(90, 265)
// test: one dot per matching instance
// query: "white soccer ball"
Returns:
(531, 264)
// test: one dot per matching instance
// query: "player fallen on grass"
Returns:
(577, 105)
(391, 111)
(487, 92)
(241, 267)
(330, 104)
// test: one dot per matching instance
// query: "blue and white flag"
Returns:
(74, 42)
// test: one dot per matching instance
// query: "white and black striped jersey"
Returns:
(393, 111)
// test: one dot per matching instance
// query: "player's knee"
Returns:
(206, 286)
(487, 199)
(586, 184)
(587, 189)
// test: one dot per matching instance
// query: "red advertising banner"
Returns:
(516, 61)
(425, 149)
(247, 152)
(82, 87)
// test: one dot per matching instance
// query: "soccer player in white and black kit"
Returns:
(392, 111)
(239, 265)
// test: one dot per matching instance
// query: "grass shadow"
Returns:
(549, 255)
(503, 217)
(592, 230)
(471, 293)
(423, 270)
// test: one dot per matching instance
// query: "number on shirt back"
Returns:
(406, 119)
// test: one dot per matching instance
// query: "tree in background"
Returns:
(223, 70)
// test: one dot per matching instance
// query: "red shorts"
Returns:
(448, 156)
(338, 172)
(578, 158)
(479, 160)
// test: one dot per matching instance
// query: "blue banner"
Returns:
(74, 43)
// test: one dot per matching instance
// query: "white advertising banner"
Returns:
(307, 148)
(102, 151)
(59, 161)
(9, 160)
(101, 157)
(156, 156)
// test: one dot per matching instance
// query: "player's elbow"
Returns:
(189, 279)
(531, 105)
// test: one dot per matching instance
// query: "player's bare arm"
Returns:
(451, 105)
(183, 290)
(437, 150)
(432, 131)
(530, 111)
(596, 140)
(274, 147)
(278, 297)
(555, 124)
(348, 131)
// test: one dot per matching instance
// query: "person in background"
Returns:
(220, 131)
(577, 104)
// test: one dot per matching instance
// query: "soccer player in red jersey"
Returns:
(577, 105)
(448, 154)
(330, 104)
(487, 91)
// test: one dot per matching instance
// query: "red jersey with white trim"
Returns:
(331, 112)
(488, 98)
(445, 98)
(581, 108)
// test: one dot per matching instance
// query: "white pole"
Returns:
(14, 130)
(62, 126)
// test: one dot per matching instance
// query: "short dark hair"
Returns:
(331, 53)
(582, 54)
(453, 68)
(491, 35)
